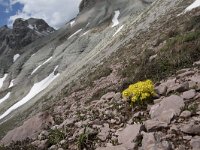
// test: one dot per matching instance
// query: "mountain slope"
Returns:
(69, 48)
(93, 57)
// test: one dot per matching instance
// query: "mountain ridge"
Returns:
(21, 35)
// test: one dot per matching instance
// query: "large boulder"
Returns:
(191, 128)
(195, 143)
(167, 108)
(126, 138)
(152, 125)
(149, 142)
(189, 94)
(129, 134)
(30, 128)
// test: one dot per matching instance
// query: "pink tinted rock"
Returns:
(130, 133)
(104, 132)
(152, 125)
(29, 129)
(167, 108)
(186, 114)
(161, 89)
(189, 94)
(108, 96)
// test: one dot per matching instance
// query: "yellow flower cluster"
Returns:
(139, 91)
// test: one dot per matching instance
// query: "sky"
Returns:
(55, 12)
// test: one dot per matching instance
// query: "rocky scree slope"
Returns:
(170, 122)
(153, 49)
(61, 58)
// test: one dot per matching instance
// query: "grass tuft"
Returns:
(55, 136)
(86, 140)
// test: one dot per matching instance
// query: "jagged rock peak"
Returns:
(24, 32)
(19, 22)
(34, 24)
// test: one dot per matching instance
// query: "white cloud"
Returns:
(54, 12)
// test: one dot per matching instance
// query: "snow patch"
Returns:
(5, 97)
(85, 33)
(11, 84)
(16, 57)
(115, 18)
(36, 89)
(75, 33)
(72, 23)
(35, 27)
(118, 30)
(47, 60)
(30, 27)
(36, 69)
(41, 65)
(195, 4)
(87, 24)
(2, 80)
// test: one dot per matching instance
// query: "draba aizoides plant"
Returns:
(139, 92)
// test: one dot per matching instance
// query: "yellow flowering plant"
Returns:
(139, 92)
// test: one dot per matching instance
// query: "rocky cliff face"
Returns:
(110, 44)
(13, 40)
(86, 4)
(26, 31)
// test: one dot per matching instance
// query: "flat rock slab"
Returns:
(108, 96)
(30, 128)
(189, 94)
(179, 88)
(187, 73)
(195, 143)
(186, 114)
(169, 83)
(152, 125)
(191, 128)
(129, 133)
(149, 143)
(119, 147)
(125, 138)
(167, 108)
